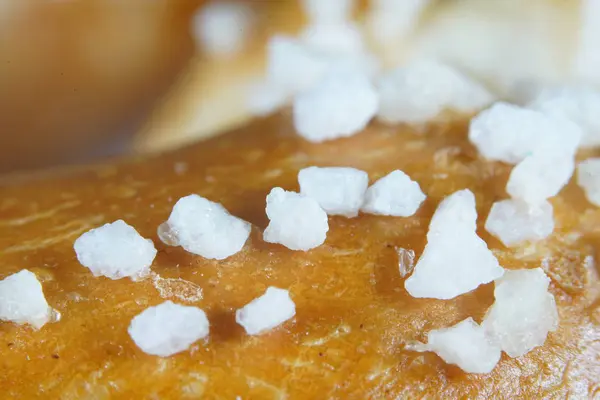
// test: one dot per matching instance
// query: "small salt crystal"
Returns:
(395, 194)
(578, 104)
(540, 176)
(466, 345)
(222, 28)
(340, 105)
(339, 191)
(327, 12)
(266, 312)
(588, 177)
(168, 328)
(515, 222)
(22, 300)
(509, 133)
(523, 312)
(204, 228)
(296, 221)
(419, 92)
(455, 260)
(406, 261)
(116, 251)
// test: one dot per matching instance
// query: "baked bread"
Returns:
(353, 319)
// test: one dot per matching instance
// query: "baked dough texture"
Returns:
(354, 317)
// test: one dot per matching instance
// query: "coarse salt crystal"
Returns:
(523, 312)
(395, 194)
(115, 250)
(455, 260)
(22, 300)
(204, 228)
(464, 344)
(338, 190)
(406, 261)
(540, 176)
(168, 328)
(265, 97)
(421, 91)
(334, 39)
(222, 28)
(266, 312)
(515, 222)
(588, 177)
(340, 105)
(296, 221)
(509, 133)
(577, 104)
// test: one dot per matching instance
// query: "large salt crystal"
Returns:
(540, 176)
(116, 251)
(509, 133)
(296, 221)
(266, 312)
(222, 28)
(523, 312)
(22, 300)
(577, 104)
(340, 105)
(464, 344)
(515, 222)
(204, 228)
(168, 328)
(455, 260)
(421, 91)
(339, 191)
(588, 177)
(395, 194)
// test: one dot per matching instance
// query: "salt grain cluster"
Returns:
(341, 105)
(420, 91)
(204, 228)
(577, 104)
(116, 251)
(168, 328)
(515, 222)
(22, 300)
(339, 191)
(222, 28)
(455, 260)
(266, 312)
(395, 194)
(588, 177)
(464, 344)
(523, 312)
(296, 221)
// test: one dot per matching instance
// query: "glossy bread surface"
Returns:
(353, 315)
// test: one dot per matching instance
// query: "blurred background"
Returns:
(82, 80)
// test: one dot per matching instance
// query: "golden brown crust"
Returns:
(353, 314)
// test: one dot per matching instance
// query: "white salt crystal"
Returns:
(334, 39)
(222, 28)
(464, 344)
(204, 228)
(523, 312)
(296, 221)
(577, 104)
(406, 261)
(588, 177)
(395, 194)
(339, 191)
(266, 312)
(540, 176)
(116, 251)
(22, 300)
(168, 328)
(327, 12)
(515, 222)
(265, 97)
(340, 105)
(455, 260)
(509, 133)
(422, 90)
